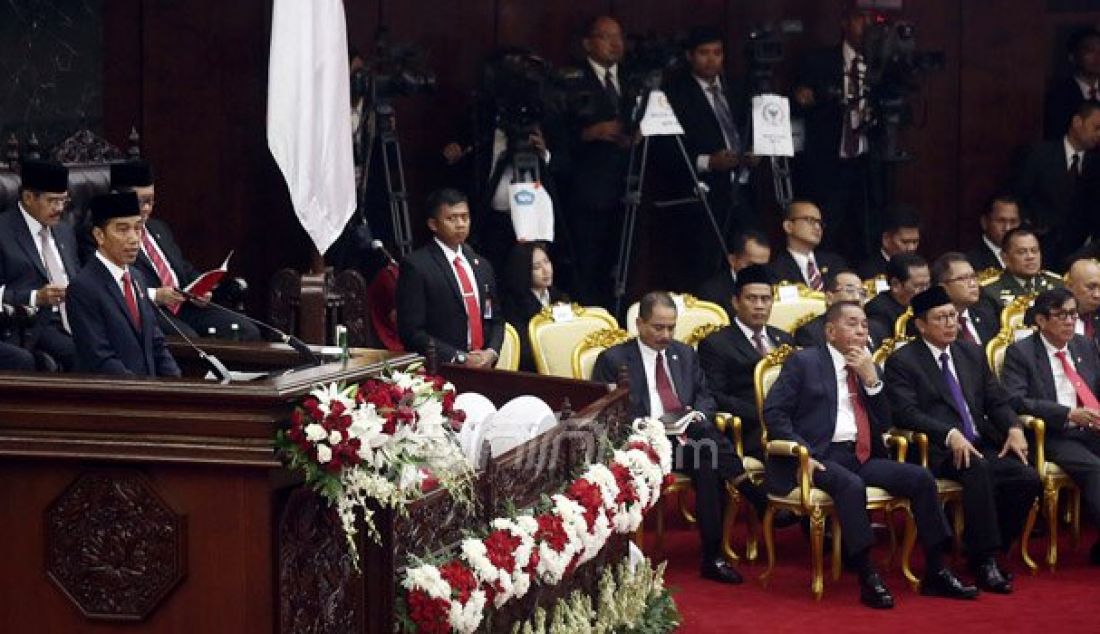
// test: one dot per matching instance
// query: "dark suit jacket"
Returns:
(784, 268)
(728, 359)
(683, 365)
(873, 266)
(167, 243)
(921, 400)
(107, 342)
(986, 318)
(1027, 375)
(981, 258)
(430, 306)
(21, 267)
(718, 288)
(597, 169)
(822, 70)
(884, 310)
(1060, 104)
(519, 308)
(812, 333)
(1061, 207)
(802, 406)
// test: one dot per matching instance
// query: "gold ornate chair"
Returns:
(875, 285)
(813, 503)
(585, 353)
(552, 341)
(1012, 319)
(988, 276)
(700, 333)
(509, 350)
(1055, 479)
(902, 324)
(793, 302)
(692, 314)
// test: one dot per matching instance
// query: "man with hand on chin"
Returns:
(942, 386)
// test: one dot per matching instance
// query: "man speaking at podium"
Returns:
(114, 324)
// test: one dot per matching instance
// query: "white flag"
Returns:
(309, 114)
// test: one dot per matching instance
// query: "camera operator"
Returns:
(599, 149)
(512, 120)
(830, 96)
(712, 111)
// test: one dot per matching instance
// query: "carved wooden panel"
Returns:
(318, 586)
(352, 287)
(113, 546)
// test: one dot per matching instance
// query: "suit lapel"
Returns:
(116, 295)
(933, 371)
(27, 242)
(675, 368)
(742, 344)
(829, 377)
(637, 375)
(446, 271)
(1042, 363)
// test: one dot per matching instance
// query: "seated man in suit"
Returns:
(830, 399)
(1057, 374)
(900, 235)
(161, 261)
(943, 387)
(447, 296)
(15, 358)
(908, 275)
(1083, 280)
(1000, 216)
(1023, 274)
(114, 326)
(842, 285)
(729, 355)
(38, 257)
(979, 319)
(747, 247)
(665, 377)
(801, 261)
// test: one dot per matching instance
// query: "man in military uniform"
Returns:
(1023, 274)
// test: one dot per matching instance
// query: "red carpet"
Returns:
(1058, 602)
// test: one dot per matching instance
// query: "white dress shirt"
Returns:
(995, 249)
(451, 254)
(602, 71)
(116, 272)
(1063, 387)
(803, 262)
(845, 430)
(649, 362)
(1071, 151)
(35, 228)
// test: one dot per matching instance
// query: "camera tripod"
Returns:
(632, 199)
(381, 126)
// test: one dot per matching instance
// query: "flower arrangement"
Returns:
(389, 440)
(544, 547)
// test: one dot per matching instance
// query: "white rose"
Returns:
(335, 438)
(315, 432)
(324, 453)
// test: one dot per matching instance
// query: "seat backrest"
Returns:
(509, 350)
(586, 352)
(902, 323)
(1012, 315)
(691, 312)
(793, 303)
(764, 377)
(988, 276)
(552, 341)
(700, 333)
(874, 285)
(889, 346)
(996, 348)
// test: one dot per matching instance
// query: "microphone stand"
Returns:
(212, 362)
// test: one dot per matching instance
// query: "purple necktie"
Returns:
(957, 396)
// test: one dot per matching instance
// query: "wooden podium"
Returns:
(160, 506)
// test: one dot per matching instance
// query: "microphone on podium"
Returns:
(299, 346)
(212, 363)
(377, 245)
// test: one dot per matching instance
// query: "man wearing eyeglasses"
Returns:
(842, 285)
(802, 261)
(1057, 374)
(942, 387)
(38, 256)
(979, 318)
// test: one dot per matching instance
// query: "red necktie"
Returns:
(473, 313)
(131, 301)
(669, 400)
(1085, 397)
(964, 330)
(813, 275)
(164, 272)
(863, 425)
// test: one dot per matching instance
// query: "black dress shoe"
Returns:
(719, 570)
(988, 577)
(1094, 553)
(945, 584)
(873, 593)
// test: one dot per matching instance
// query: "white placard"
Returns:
(787, 293)
(771, 126)
(562, 312)
(660, 119)
(881, 285)
(532, 212)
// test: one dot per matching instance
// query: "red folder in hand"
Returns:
(209, 280)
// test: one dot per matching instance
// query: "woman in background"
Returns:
(528, 288)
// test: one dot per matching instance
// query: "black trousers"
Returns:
(50, 337)
(711, 461)
(845, 479)
(1077, 451)
(15, 358)
(997, 497)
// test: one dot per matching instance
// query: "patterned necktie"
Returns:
(957, 396)
(609, 86)
(725, 117)
(758, 343)
(1075, 165)
(669, 401)
(473, 314)
(863, 425)
(131, 300)
(813, 276)
(55, 272)
(1085, 397)
(164, 272)
(964, 329)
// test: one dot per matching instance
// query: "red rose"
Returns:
(429, 483)
(551, 531)
(588, 496)
(430, 615)
(500, 548)
(627, 493)
(460, 578)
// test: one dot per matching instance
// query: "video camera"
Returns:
(393, 71)
(764, 50)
